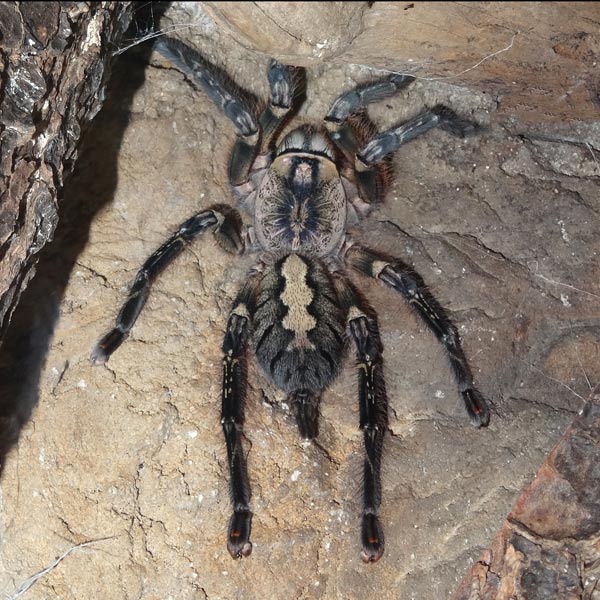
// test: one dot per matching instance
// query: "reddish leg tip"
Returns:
(477, 407)
(106, 346)
(238, 541)
(372, 539)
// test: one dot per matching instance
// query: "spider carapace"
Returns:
(298, 309)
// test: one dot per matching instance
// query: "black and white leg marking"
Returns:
(373, 405)
(389, 141)
(406, 281)
(226, 224)
(235, 345)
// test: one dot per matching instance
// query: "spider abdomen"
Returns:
(298, 324)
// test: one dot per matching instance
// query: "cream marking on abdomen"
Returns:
(297, 296)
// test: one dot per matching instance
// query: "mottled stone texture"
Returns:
(505, 228)
(542, 59)
(548, 547)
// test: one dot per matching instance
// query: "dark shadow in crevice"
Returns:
(90, 187)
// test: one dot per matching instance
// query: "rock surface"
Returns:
(129, 458)
(544, 62)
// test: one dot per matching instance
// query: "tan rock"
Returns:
(130, 456)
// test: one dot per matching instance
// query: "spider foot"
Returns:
(106, 346)
(238, 541)
(477, 407)
(372, 539)
(452, 123)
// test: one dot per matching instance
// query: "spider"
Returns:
(298, 309)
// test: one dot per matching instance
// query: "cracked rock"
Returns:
(132, 453)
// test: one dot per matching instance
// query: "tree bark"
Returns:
(54, 59)
(548, 545)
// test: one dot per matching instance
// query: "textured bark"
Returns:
(548, 546)
(53, 64)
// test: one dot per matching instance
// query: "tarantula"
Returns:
(298, 309)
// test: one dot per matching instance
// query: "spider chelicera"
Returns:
(298, 309)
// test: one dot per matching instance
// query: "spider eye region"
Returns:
(308, 140)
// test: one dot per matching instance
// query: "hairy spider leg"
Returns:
(373, 405)
(227, 226)
(284, 90)
(343, 128)
(285, 87)
(235, 344)
(254, 135)
(236, 103)
(390, 140)
(407, 282)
